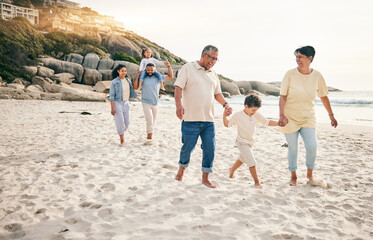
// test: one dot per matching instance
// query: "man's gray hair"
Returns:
(210, 48)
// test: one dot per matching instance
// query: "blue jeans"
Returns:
(309, 139)
(190, 133)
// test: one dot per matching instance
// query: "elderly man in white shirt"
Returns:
(196, 87)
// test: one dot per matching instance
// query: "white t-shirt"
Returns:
(199, 87)
(246, 125)
(126, 89)
(146, 61)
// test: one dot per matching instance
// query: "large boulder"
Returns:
(45, 72)
(67, 78)
(118, 43)
(106, 75)
(229, 87)
(91, 61)
(21, 81)
(102, 86)
(12, 93)
(81, 86)
(75, 94)
(31, 70)
(105, 64)
(16, 86)
(265, 88)
(91, 76)
(62, 66)
(245, 85)
(73, 68)
(39, 81)
(34, 88)
(52, 63)
(74, 58)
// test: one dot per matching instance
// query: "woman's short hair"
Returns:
(253, 100)
(115, 73)
(309, 51)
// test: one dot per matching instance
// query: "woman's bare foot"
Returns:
(293, 182)
(180, 174)
(231, 173)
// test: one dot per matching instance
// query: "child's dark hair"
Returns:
(253, 100)
(309, 51)
(115, 73)
(144, 50)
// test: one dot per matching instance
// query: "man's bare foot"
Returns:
(231, 173)
(180, 174)
(293, 182)
(121, 144)
(207, 183)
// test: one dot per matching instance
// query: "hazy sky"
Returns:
(257, 38)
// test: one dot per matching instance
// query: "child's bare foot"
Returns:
(231, 173)
(257, 185)
(180, 174)
(163, 88)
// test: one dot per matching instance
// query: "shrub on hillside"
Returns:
(124, 57)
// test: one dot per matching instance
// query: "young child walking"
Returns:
(121, 90)
(147, 57)
(246, 121)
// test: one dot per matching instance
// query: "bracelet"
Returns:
(331, 114)
(225, 104)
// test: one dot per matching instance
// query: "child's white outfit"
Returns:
(245, 134)
(146, 61)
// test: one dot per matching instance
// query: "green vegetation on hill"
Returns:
(21, 44)
(124, 57)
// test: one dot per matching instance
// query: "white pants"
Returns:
(150, 112)
(122, 116)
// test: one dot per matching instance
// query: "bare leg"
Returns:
(205, 180)
(150, 135)
(180, 174)
(235, 166)
(309, 174)
(121, 140)
(293, 180)
(255, 177)
(162, 86)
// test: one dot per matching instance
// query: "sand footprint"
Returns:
(319, 182)
(108, 187)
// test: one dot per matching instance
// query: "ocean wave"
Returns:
(351, 101)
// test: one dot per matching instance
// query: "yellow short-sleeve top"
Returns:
(301, 91)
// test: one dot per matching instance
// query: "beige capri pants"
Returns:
(246, 154)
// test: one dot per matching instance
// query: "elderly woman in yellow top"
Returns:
(299, 89)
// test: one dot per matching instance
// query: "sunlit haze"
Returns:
(256, 39)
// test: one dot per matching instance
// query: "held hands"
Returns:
(180, 111)
(227, 110)
(282, 121)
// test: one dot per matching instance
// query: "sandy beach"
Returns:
(64, 176)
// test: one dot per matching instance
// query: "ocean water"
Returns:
(349, 107)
